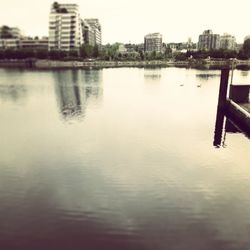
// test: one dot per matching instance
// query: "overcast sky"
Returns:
(129, 20)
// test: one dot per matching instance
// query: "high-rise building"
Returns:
(97, 29)
(227, 41)
(208, 41)
(88, 34)
(65, 31)
(153, 42)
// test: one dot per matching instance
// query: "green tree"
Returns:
(167, 52)
(246, 48)
(86, 51)
(142, 56)
(42, 54)
(55, 5)
(180, 57)
(73, 53)
(95, 51)
(57, 55)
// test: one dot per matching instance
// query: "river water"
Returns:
(120, 159)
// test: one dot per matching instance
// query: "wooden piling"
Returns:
(223, 88)
(222, 101)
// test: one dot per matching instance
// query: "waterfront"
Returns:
(119, 159)
(98, 64)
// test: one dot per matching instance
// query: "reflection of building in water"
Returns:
(13, 92)
(206, 76)
(74, 88)
(244, 73)
(92, 83)
(152, 73)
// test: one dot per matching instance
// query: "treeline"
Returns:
(221, 53)
(110, 52)
(86, 51)
(24, 54)
(243, 54)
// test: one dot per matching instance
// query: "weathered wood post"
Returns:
(223, 88)
(222, 99)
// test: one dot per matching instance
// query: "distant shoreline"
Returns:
(56, 64)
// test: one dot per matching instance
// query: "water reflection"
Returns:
(219, 133)
(243, 67)
(206, 76)
(13, 89)
(244, 73)
(74, 88)
(152, 73)
(137, 174)
(12, 93)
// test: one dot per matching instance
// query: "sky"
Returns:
(128, 21)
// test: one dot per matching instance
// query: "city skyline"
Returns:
(128, 21)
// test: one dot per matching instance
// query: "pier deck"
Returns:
(246, 106)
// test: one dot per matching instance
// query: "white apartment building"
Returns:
(88, 34)
(7, 32)
(65, 31)
(34, 43)
(227, 41)
(10, 43)
(96, 27)
(208, 40)
(153, 42)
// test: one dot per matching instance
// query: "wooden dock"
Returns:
(235, 109)
(246, 106)
(239, 114)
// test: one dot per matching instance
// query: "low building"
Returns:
(132, 47)
(122, 49)
(34, 43)
(153, 42)
(177, 46)
(9, 43)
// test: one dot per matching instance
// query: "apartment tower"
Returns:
(209, 41)
(97, 29)
(227, 42)
(88, 34)
(65, 31)
(153, 42)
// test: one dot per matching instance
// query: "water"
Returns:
(119, 159)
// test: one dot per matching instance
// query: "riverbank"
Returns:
(54, 64)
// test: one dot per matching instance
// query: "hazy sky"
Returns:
(128, 21)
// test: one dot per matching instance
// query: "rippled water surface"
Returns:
(119, 159)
